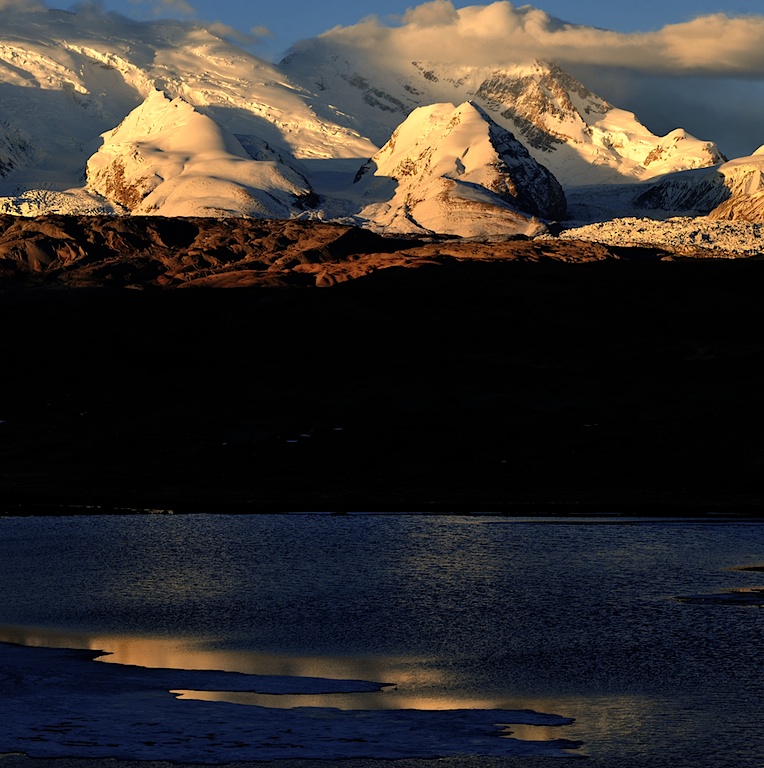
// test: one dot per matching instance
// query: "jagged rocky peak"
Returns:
(166, 157)
(580, 135)
(452, 170)
(537, 99)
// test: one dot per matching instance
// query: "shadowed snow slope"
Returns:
(13, 152)
(453, 170)
(165, 156)
(732, 191)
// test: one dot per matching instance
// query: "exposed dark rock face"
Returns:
(14, 149)
(528, 100)
(154, 251)
(531, 375)
(531, 186)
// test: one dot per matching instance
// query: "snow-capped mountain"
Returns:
(453, 170)
(101, 114)
(66, 78)
(579, 136)
(733, 190)
(167, 157)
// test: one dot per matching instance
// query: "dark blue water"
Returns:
(578, 619)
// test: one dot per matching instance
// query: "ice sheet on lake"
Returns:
(60, 704)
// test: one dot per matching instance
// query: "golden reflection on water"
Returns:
(153, 652)
(603, 716)
(194, 653)
(395, 700)
(412, 683)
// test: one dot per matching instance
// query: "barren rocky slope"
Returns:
(523, 375)
(153, 252)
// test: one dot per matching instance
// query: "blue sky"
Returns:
(290, 20)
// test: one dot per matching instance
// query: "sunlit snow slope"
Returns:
(167, 158)
(102, 114)
(66, 78)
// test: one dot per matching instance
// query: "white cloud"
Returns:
(500, 33)
(433, 14)
(254, 37)
(21, 5)
(160, 7)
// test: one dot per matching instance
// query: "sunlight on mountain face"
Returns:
(189, 124)
(104, 115)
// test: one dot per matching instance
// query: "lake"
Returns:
(638, 641)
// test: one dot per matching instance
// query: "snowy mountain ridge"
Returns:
(579, 136)
(67, 78)
(733, 190)
(102, 114)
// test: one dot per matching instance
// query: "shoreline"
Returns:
(548, 512)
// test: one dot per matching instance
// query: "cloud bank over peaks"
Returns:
(254, 37)
(498, 33)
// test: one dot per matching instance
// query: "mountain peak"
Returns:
(167, 157)
(451, 169)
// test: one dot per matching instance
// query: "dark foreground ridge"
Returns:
(533, 377)
(158, 252)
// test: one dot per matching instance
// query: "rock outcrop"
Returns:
(166, 252)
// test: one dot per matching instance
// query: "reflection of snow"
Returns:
(60, 704)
